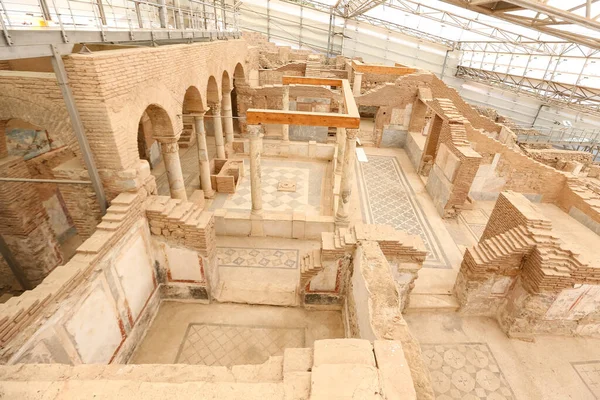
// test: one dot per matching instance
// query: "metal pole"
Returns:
(162, 13)
(329, 31)
(268, 20)
(444, 64)
(223, 15)
(14, 265)
(86, 152)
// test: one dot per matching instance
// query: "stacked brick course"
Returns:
(24, 223)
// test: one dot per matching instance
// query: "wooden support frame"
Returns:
(381, 69)
(349, 119)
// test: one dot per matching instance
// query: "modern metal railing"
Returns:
(560, 136)
(110, 15)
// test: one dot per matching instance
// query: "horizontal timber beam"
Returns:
(303, 80)
(257, 116)
(381, 69)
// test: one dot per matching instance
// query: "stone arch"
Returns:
(239, 76)
(36, 110)
(213, 94)
(192, 101)
(162, 126)
(225, 83)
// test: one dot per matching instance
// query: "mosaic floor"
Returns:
(590, 375)
(389, 199)
(227, 345)
(466, 371)
(257, 257)
(308, 178)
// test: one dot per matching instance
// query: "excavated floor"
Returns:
(471, 358)
(231, 334)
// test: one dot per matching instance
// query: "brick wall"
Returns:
(113, 89)
(515, 171)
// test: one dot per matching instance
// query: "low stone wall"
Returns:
(373, 312)
(557, 159)
(526, 278)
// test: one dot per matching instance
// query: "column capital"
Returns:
(358, 73)
(216, 108)
(351, 134)
(169, 147)
(167, 139)
(254, 131)
(198, 114)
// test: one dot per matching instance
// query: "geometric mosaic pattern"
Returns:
(257, 258)
(306, 198)
(465, 371)
(589, 371)
(389, 199)
(227, 345)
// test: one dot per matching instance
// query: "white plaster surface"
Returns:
(94, 328)
(184, 264)
(134, 269)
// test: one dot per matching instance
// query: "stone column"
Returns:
(256, 218)
(285, 129)
(227, 118)
(255, 135)
(170, 153)
(203, 161)
(357, 82)
(341, 216)
(341, 142)
(218, 127)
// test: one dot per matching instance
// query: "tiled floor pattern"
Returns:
(475, 220)
(257, 257)
(590, 375)
(465, 371)
(307, 197)
(227, 345)
(389, 199)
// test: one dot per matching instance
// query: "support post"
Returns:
(170, 153)
(343, 210)
(162, 13)
(203, 161)
(14, 265)
(285, 128)
(256, 217)
(84, 146)
(227, 117)
(218, 130)
(357, 83)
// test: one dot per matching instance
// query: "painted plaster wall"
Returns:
(95, 322)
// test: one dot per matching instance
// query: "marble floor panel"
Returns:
(308, 178)
(389, 199)
(231, 334)
(254, 257)
(471, 358)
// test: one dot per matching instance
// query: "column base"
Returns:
(209, 195)
(342, 221)
(257, 224)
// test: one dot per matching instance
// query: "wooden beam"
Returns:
(349, 102)
(256, 116)
(381, 69)
(303, 80)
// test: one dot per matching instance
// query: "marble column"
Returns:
(203, 161)
(341, 142)
(285, 129)
(357, 82)
(342, 214)
(227, 118)
(255, 135)
(170, 154)
(218, 130)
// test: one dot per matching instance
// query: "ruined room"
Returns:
(282, 199)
